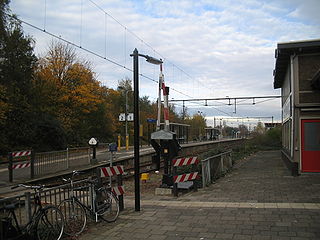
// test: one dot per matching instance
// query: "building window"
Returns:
(286, 136)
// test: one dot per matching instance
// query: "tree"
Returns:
(244, 132)
(259, 129)
(67, 89)
(17, 62)
(197, 124)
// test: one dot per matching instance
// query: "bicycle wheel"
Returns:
(74, 215)
(50, 223)
(107, 205)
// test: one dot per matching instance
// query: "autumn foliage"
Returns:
(55, 101)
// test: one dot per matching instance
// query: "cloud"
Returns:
(222, 47)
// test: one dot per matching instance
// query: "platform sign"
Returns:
(151, 120)
(93, 142)
(130, 117)
(122, 117)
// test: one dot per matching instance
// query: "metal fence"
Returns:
(214, 167)
(52, 196)
(51, 162)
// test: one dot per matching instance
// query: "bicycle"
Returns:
(105, 206)
(46, 223)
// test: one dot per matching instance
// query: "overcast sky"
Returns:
(210, 48)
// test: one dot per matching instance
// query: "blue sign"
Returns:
(151, 120)
(113, 147)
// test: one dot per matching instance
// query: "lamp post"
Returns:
(126, 116)
(199, 112)
(152, 60)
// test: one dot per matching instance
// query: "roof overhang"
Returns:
(287, 49)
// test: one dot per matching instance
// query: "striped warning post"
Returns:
(21, 153)
(111, 171)
(185, 161)
(185, 177)
(119, 190)
(21, 165)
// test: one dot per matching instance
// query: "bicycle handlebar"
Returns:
(74, 173)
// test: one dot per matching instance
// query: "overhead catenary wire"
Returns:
(94, 53)
(145, 43)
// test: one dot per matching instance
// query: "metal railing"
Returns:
(215, 166)
(51, 162)
(52, 196)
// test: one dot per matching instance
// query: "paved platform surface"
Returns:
(258, 199)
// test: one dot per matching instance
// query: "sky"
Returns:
(210, 48)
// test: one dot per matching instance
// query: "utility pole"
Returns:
(126, 113)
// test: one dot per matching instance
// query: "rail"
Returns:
(53, 196)
(215, 166)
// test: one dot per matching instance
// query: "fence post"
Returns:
(32, 164)
(221, 163)
(67, 158)
(195, 185)
(98, 173)
(91, 194)
(121, 203)
(28, 205)
(89, 161)
(203, 174)
(10, 170)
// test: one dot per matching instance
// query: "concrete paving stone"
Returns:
(157, 237)
(137, 235)
(280, 238)
(224, 236)
(157, 231)
(306, 234)
(262, 227)
(278, 228)
(302, 238)
(259, 237)
(233, 231)
(249, 231)
(174, 238)
(168, 228)
(288, 234)
(197, 229)
(268, 233)
(242, 237)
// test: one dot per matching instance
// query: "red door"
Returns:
(310, 145)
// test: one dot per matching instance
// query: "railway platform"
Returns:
(258, 199)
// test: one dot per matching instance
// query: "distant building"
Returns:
(271, 125)
(212, 133)
(297, 73)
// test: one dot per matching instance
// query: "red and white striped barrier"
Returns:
(111, 171)
(185, 161)
(21, 153)
(119, 190)
(185, 177)
(21, 165)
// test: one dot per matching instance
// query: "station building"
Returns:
(297, 73)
